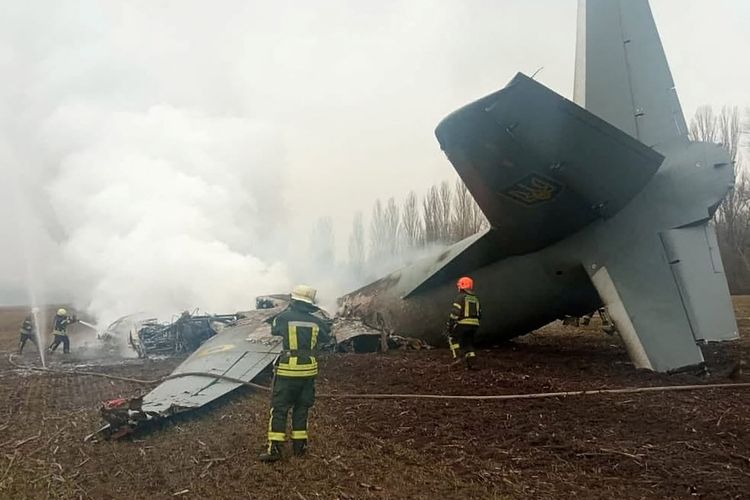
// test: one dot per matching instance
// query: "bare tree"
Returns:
(392, 223)
(412, 230)
(378, 232)
(431, 215)
(357, 246)
(444, 221)
(703, 126)
(732, 218)
(467, 218)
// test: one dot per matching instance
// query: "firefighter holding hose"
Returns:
(28, 330)
(60, 324)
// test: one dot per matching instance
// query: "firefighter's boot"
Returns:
(471, 359)
(272, 454)
(299, 447)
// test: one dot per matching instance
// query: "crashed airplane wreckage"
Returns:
(605, 201)
(240, 352)
(230, 359)
(185, 334)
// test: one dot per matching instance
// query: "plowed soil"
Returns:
(644, 445)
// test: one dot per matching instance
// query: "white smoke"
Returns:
(162, 208)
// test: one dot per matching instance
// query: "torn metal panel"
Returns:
(354, 335)
(241, 351)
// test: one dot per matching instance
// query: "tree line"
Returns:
(732, 219)
(445, 214)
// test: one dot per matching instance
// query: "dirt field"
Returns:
(648, 445)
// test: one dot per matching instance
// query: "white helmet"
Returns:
(62, 312)
(304, 293)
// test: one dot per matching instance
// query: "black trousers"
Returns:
(464, 335)
(297, 394)
(60, 339)
(24, 338)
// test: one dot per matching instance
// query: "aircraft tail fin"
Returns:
(622, 74)
(541, 167)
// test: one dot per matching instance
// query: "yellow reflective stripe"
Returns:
(454, 316)
(469, 321)
(293, 345)
(456, 304)
(314, 340)
(282, 373)
(470, 300)
(299, 434)
(455, 346)
(294, 364)
(470, 354)
(276, 436)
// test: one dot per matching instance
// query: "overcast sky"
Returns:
(122, 122)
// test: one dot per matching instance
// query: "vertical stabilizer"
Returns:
(622, 74)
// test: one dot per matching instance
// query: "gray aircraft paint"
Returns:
(609, 204)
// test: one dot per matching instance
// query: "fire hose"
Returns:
(495, 397)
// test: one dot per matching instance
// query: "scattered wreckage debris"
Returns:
(352, 334)
(186, 334)
(224, 360)
(242, 350)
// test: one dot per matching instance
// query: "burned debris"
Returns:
(223, 363)
(183, 335)
(230, 350)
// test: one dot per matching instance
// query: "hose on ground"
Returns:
(495, 397)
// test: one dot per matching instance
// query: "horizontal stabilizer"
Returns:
(654, 325)
(541, 167)
(693, 254)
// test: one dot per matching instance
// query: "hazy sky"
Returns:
(123, 123)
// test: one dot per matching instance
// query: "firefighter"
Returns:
(296, 369)
(28, 331)
(463, 321)
(60, 330)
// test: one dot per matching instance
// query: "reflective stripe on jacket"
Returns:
(466, 309)
(301, 333)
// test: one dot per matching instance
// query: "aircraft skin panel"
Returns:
(619, 314)
(241, 352)
(647, 305)
(693, 254)
(541, 167)
(622, 74)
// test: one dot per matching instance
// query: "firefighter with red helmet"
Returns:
(463, 321)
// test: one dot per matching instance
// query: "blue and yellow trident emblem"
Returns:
(533, 189)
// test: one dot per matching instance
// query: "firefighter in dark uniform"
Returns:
(28, 331)
(296, 369)
(60, 324)
(463, 322)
